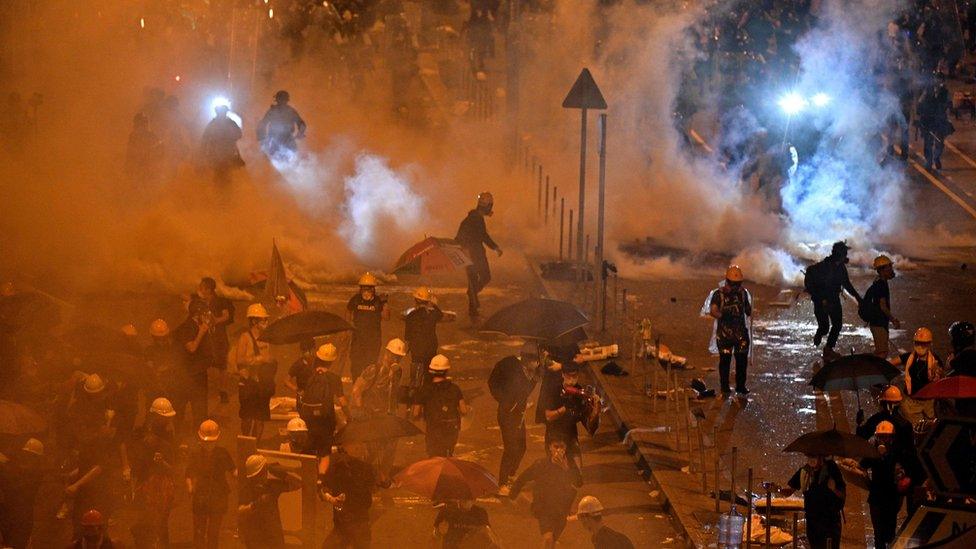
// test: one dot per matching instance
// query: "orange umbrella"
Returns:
(443, 478)
(950, 387)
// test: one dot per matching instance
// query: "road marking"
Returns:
(935, 181)
(964, 156)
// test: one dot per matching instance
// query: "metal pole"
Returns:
(569, 239)
(749, 510)
(546, 210)
(586, 251)
(554, 188)
(538, 207)
(718, 480)
(735, 452)
(601, 301)
(794, 529)
(701, 456)
(582, 187)
(769, 510)
(562, 215)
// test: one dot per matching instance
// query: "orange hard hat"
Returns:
(891, 394)
(92, 517)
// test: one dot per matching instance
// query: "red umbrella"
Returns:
(950, 387)
(441, 478)
(432, 255)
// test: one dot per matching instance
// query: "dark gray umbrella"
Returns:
(833, 443)
(298, 327)
(537, 318)
(853, 372)
(377, 428)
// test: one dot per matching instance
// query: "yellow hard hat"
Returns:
(734, 274)
(589, 506)
(368, 280)
(891, 394)
(209, 431)
(130, 330)
(34, 446)
(327, 353)
(254, 464)
(440, 363)
(94, 384)
(422, 293)
(296, 425)
(397, 347)
(257, 310)
(882, 261)
(159, 328)
(162, 407)
(923, 335)
(885, 428)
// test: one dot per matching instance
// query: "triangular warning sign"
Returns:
(585, 94)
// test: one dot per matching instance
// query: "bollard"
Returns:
(688, 424)
(586, 250)
(749, 509)
(701, 457)
(562, 214)
(794, 529)
(545, 216)
(735, 454)
(769, 511)
(538, 205)
(553, 198)
(569, 241)
(718, 480)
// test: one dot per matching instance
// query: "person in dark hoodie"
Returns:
(473, 236)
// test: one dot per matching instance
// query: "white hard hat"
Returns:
(327, 353)
(159, 328)
(209, 430)
(296, 424)
(254, 464)
(257, 310)
(397, 347)
(162, 407)
(368, 280)
(439, 363)
(423, 293)
(34, 446)
(881, 261)
(94, 384)
(590, 506)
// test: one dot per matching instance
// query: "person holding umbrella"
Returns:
(824, 492)
(731, 306)
(441, 404)
(510, 382)
(922, 366)
(888, 402)
(373, 394)
(366, 311)
(555, 480)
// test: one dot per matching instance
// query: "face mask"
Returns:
(921, 350)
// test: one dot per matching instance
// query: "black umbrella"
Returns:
(537, 318)
(833, 443)
(98, 339)
(853, 372)
(304, 325)
(378, 428)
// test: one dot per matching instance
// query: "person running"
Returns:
(731, 305)
(366, 310)
(441, 404)
(590, 514)
(555, 480)
(824, 492)
(510, 383)
(875, 308)
(207, 469)
(824, 281)
(472, 235)
(569, 408)
(922, 366)
(279, 129)
(256, 368)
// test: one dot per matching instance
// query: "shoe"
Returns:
(938, 164)
(817, 338)
(726, 392)
(743, 391)
(224, 399)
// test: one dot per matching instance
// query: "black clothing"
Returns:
(166, 372)
(549, 389)
(195, 363)
(420, 332)
(354, 478)
(442, 415)
(19, 480)
(564, 427)
(919, 371)
(552, 494)
(606, 538)
(366, 336)
(725, 365)
(460, 523)
(208, 468)
(219, 146)
(260, 527)
(963, 363)
(510, 386)
(883, 496)
(321, 424)
(732, 330)
(301, 371)
(827, 307)
(278, 129)
(872, 313)
(221, 344)
(821, 506)
(830, 318)
(472, 235)
(904, 433)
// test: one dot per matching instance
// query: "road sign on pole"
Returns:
(584, 95)
(949, 457)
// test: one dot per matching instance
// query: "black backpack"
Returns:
(816, 278)
(317, 400)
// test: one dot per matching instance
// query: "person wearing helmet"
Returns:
(297, 442)
(888, 403)
(207, 470)
(152, 456)
(731, 307)
(875, 308)
(92, 533)
(921, 367)
(318, 405)
(824, 281)
(366, 310)
(256, 369)
(20, 478)
(258, 514)
(472, 235)
(555, 479)
(420, 335)
(163, 363)
(933, 120)
(510, 383)
(962, 360)
(441, 404)
(279, 128)
(218, 148)
(889, 481)
(221, 315)
(302, 368)
(374, 394)
(589, 512)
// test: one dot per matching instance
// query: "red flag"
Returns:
(278, 289)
